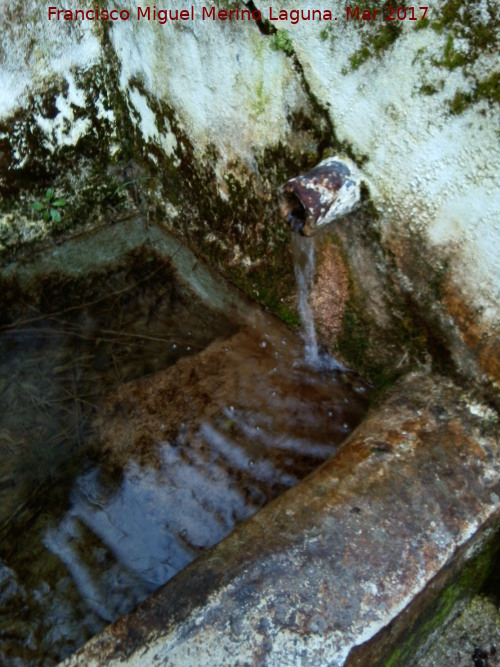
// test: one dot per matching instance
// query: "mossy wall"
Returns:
(194, 127)
(196, 124)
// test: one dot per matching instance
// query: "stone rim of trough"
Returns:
(327, 572)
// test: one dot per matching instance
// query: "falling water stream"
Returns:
(303, 262)
(303, 249)
(138, 425)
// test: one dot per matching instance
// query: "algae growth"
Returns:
(469, 32)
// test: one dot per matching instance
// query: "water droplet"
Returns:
(330, 413)
(263, 344)
(162, 427)
(273, 394)
(345, 426)
(174, 346)
(183, 532)
(231, 408)
(188, 348)
(283, 341)
(251, 463)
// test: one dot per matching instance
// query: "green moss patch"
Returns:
(488, 89)
(376, 37)
(467, 582)
(468, 33)
(478, 35)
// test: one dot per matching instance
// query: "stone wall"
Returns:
(196, 123)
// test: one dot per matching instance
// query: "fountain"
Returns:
(311, 203)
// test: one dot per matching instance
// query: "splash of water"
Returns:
(304, 265)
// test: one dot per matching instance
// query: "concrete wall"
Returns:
(198, 122)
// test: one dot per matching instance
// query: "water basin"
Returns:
(146, 410)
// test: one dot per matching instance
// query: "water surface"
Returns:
(138, 426)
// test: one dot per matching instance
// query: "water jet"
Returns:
(310, 203)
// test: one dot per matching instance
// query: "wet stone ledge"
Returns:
(340, 568)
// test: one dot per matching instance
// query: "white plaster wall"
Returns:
(34, 49)
(426, 168)
(227, 86)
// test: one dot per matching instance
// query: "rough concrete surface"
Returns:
(472, 639)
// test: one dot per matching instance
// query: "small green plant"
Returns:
(281, 41)
(49, 206)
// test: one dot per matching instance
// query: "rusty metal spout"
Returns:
(317, 198)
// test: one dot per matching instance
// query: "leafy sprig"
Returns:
(49, 206)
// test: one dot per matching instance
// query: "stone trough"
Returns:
(377, 538)
(357, 565)
(360, 563)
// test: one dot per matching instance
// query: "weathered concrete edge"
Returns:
(331, 563)
(91, 251)
(405, 638)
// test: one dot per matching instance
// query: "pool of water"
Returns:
(144, 412)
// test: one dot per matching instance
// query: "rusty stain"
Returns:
(330, 292)
(478, 338)
(235, 371)
(466, 337)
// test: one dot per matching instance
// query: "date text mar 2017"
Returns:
(357, 13)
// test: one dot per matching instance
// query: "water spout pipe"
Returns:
(317, 198)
